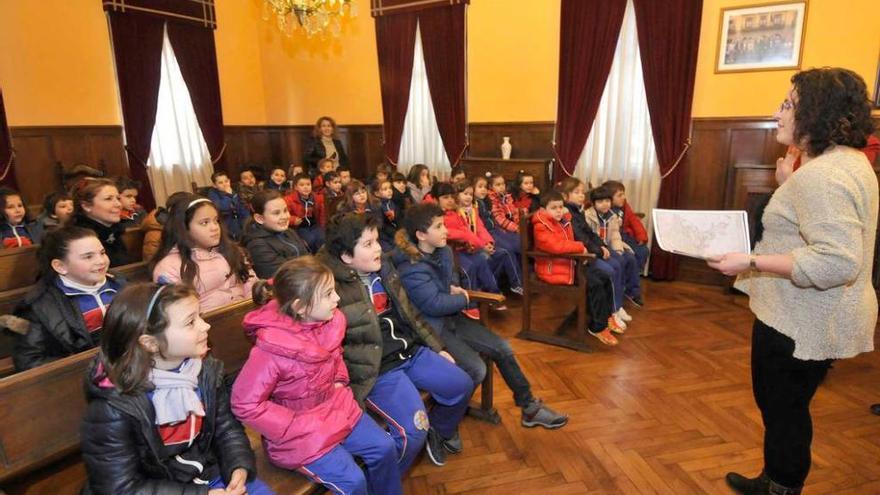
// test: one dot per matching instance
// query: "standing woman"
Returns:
(98, 207)
(324, 145)
(809, 278)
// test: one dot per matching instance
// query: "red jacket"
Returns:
(313, 207)
(466, 227)
(632, 226)
(505, 213)
(525, 202)
(555, 237)
(287, 390)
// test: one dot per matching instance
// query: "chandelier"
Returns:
(315, 17)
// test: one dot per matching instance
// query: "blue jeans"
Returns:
(338, 471)
(613, 268)
(641, 251)
(256, 487)
(506, 240)
(395, 397)
(631, 282)
(504, 262)
(478, 274)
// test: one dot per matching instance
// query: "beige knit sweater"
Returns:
(825, 216)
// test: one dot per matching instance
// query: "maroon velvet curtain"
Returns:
(587, 39)
(669, 35)
(137, 48)
(443, 43)
(7, 162)
(395, 40)
(197, 57)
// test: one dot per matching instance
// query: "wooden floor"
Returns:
(668, 411)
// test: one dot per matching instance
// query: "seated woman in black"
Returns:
(98, 208)
(324, 145)
(64, 312)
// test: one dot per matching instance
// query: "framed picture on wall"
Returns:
(761, 37)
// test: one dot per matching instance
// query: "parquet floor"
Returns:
(669, 411)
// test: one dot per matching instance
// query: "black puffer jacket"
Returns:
(269, 249)
(57, 328)
(362, 347)
(583, 232)
(122, 449)
(110, 237)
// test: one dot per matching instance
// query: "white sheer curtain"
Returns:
(421, 142)
(178, 153)
(621, 146)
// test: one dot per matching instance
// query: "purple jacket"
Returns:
(287, 389)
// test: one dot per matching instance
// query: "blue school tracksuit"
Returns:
(232, 210)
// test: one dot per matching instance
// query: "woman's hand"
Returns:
(731, 263)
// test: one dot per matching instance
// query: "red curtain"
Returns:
(197, 57)
(443, 44)
(395, 40)
(669, 35)
(7, 162)
(137, 48)
(588, 37)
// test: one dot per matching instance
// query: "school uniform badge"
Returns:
(420, 419)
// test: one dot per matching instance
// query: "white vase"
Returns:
(506, 148)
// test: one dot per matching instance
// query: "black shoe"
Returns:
(875, 409)
(434, 446)
(453, 444)
(537, 414)
(637, 300)
(748, 486)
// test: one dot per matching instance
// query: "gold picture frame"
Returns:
(762, 37)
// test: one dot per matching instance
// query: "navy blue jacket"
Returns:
(233, 211)
(583, 232)
(427, 279)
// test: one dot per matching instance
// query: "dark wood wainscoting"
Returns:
(40, 150)
(529, 140)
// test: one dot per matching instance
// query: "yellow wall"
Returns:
(56, 65)
(838, 33)
(57, 69)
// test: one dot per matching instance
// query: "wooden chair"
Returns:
(561, 335)
(486, 410)
(133, 238)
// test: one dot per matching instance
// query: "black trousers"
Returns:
(783, 387)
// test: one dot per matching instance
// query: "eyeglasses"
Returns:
(786, 105)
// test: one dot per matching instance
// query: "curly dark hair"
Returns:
(832, 108)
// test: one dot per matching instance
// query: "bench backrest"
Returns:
(18, 267)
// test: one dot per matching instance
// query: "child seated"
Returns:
(306, 212)
(247, 186)
(612, 267)
(390, 352)
(57, 213)
(324, 166)
(277, 180)
(632, 231)
(457, 174)
(268, 237)
(474, 245)
(526, 196)
(390, 215)
(294, 390)
(426, 269)
(604, 222)
(400, 194)
(358, 200)
(158, 417)
(344, 175)
(553, 235)
(132, 214)
(504, 238)
(196, 251)
(64, 312)
(419, 182)
(232, 209)
(383, 172)
(15, 230)
(155, 222)
(292, 171)
(504, 211)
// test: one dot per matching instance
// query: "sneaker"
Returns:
(435, 448)
(605, 337)
(517, 290)
(614, 327)
(472, 313)
(624, 315)
(619, 321)
(636, 300)
(537, 414)
(453, 444)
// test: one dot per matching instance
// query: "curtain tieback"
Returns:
(219, 155)
(687, 146)
(8, 166)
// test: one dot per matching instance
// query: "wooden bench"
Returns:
(133, 238)
(18, 267)
(41, 409)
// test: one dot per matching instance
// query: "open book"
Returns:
(702, 233)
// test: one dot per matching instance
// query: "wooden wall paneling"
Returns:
(530, 140)
(35, 166)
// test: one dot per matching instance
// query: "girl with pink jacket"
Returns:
(294, 391)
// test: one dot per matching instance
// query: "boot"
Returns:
(762, 485)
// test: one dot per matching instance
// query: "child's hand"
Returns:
(605, 253)
(536, 191)
(454, 290)
(237, 483)
(490, 248)
(338, 385)
(447, 356)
